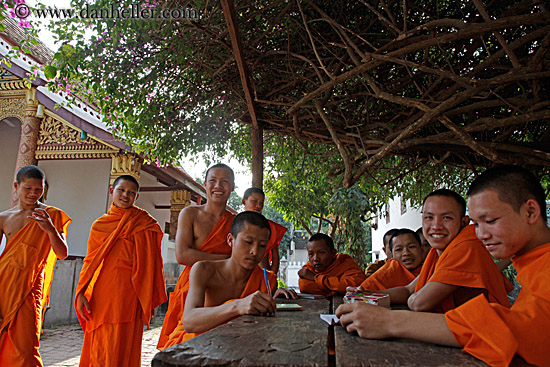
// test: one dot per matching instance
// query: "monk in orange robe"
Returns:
(254, 199)
(378, 264)
(507, 205)
(35, 236)
(458, 267)
(201, 235)
(222, 290)
(327, 272)
(121, 281)
(404, 266)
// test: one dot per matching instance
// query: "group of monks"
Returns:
(231, 264)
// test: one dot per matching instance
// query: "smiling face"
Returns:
(406, 250)
(219, 185)
(254, 202)
(29, 190)
(442, 220)
(502, 230)
(124, 194)
(249, 246)
(320, 255)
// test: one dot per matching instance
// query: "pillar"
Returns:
(179, 199)
(123, 164)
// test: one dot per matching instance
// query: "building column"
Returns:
(30, 129)
(179, 199)
(123, 164)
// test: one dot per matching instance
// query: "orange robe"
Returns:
(494, 333)
(277, 233)
(255, 282)
(26, 271)
(393, 274)
(123, 279)
(215, 243)
(343, 272)
(374, 266)
(465, 263)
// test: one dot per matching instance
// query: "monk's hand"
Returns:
(306, 274)
(258, 303)
(351, 290)
(369, 321)
(286, 292)
(43, 219)
(82, 306)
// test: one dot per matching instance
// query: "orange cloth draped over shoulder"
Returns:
(215, 243)
(26, 272)
(495, 333)
(374, 266)
(465, 263)
(277, 233)
(343, 272)
(255, 282)
(393, 274)
(123, 279)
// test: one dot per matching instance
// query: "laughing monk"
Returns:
(221, 290)
(403, 267)
(253, 199)
(201, 235)
(121, 281)
(35, 235)
(327, 272)
(458, 267)
(508, 208)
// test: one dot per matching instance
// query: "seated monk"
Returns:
(253, 199)
(327, 272)
(424, 244)
(221, 290)
(374, 266)
(508, 208)
(405, 265)
(458, 267)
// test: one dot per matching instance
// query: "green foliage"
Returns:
(280, 283)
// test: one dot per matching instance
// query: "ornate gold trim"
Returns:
(125, 164)
(179, 199)
(12, 107)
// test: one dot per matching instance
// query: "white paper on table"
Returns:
(330, 319)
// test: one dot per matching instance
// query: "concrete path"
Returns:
(60, 346)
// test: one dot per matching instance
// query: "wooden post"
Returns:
(258, 158)
(179, 199)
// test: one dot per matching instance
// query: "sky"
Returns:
(243, 176)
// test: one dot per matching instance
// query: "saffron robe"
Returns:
(393, 274)
(494, 333)
(255, 282)
(215, 243)
(26, 272)
(374, 266)
(464, 263)
(277, 233)
(343, 272)
(123, 279)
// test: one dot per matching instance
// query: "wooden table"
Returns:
(301, 338)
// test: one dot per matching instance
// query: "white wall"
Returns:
(9, 145)
(411, 218)
(80, 187)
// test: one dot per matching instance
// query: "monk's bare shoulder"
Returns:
(211, 271)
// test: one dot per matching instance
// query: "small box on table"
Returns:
(372, 298)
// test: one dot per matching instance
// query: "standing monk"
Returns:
(121, 282)
(35, 236)
(201, 235)
(253, 200)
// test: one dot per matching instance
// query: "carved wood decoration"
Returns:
(462, 82)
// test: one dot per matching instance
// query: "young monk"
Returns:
(121, 281)
(201, 235)
(507, 206)
(35, 235)
(374, 266)
(253, 199)
(327, 272)
(458, 267)
(405, 265)
(221, 290)
(424, 244)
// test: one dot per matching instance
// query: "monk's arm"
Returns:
(375, 322)
(198, 318)
(185, 253)
(275, 259)
(429, 296)
(57, 240)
